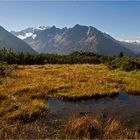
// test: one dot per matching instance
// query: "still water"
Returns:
(123, 107)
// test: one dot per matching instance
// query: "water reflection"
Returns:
(123, 107)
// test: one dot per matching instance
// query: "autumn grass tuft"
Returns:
(82, 128)
(86, 127)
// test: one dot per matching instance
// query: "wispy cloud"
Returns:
(131, 40)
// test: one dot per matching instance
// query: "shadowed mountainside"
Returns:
(9, 41)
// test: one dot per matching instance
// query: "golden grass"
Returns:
(86, 127)
(32, 130)
(82, 128)
(75, 127)
(69, 81)
(23, 95)
(28, 113)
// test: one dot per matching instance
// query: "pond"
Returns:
(123, 107)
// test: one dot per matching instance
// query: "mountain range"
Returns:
(78, 38)
(81, 38)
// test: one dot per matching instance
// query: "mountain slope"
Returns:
(9, 41)
(77, 38)
(133, 46)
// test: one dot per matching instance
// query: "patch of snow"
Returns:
(24, 36)
(40, 28)
(34, 36)
(107, 33)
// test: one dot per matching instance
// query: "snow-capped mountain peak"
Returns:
(40, 28)
(29, 32)
(24, 36)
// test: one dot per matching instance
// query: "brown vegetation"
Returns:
(23, 100)
(90, 128)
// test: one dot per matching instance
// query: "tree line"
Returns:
(27, 59)
(127, 63)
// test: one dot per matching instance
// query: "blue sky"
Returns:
(119, 19)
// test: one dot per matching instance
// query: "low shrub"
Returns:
(124, 63)
(6, 69)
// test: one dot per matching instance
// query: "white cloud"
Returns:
(131, 40)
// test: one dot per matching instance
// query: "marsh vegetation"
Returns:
(25, 91)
